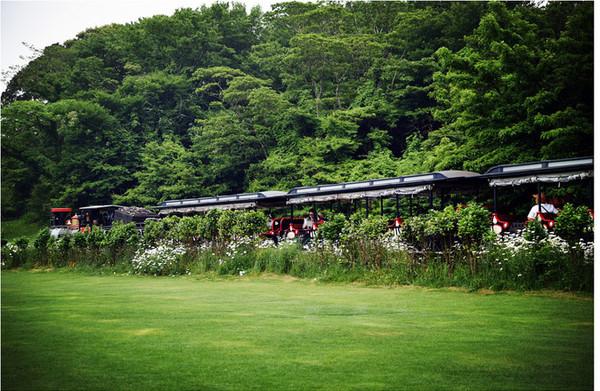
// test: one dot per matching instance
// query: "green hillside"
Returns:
(225, 99)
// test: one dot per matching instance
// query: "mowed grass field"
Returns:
(66, 330)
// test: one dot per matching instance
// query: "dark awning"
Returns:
(262, 199)
(404, 185)
(547, 171)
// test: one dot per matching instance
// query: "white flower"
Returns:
(157, 260)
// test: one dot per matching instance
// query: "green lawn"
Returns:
(63, 330)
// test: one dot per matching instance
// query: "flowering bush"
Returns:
(537, 259)
(442, 248)
(163, 259)
(13, 254)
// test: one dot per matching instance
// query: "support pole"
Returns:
(367, 207)
(495, 200)
(291, 213)
(381, 205)
(397, 205)
(410, 208)
(430, 198)
(539, 200)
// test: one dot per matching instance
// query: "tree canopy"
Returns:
(225, 99)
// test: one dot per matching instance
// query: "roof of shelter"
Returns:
(242, 198)
(94, 207)
(384, 183)
(541, 167)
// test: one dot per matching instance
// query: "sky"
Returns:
(44, 22)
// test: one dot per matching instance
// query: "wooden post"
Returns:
(397, 205)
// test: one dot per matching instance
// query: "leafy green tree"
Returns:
(226, 147)
(167, 172)
(94, 154)
(29, 149)
(224, 99)
(498, 97)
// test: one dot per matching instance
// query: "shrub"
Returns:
(58, 250)
(371, 227)
(22, 243)
(473, 224)
(413, 232)
(535, 231)
(249, 223)
(41, 240)
(13, 255)
(574, 223)
(187, 230)
(441, 228)
(119, 239)
(360, 241)
(95, 238)
(332, 228)
(121, 235)
(152, 231)
(209, 228)
(225, 225)
(155, 231)
(80, 240)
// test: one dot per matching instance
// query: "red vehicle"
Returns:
(503, 224)
(60, 221)
(547, 220)
(285, 227)
(395, 224)
(282, 226)
(60, 217)
(500, 223)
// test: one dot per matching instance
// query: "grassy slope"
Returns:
(67, 330)
(12, 229)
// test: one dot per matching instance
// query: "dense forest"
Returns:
(223, 99)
